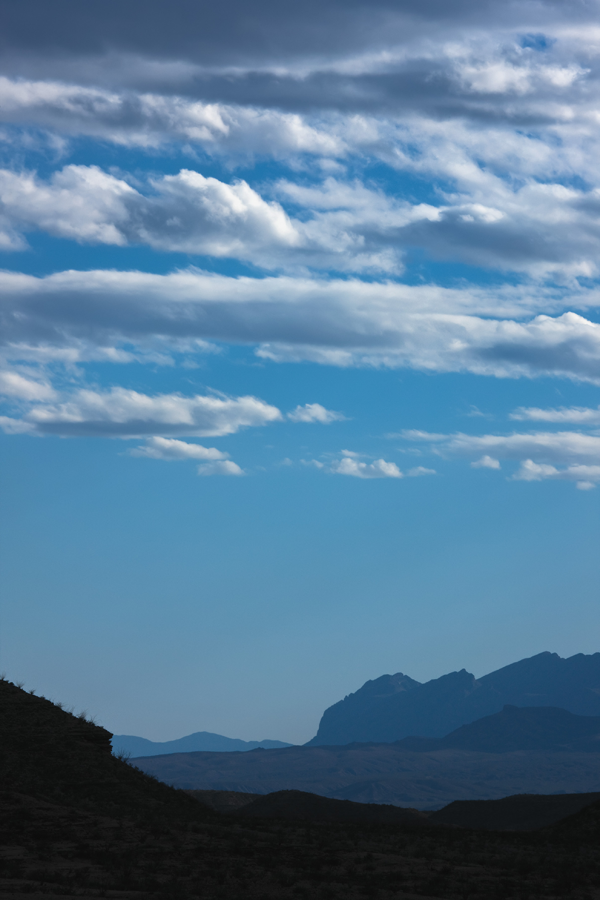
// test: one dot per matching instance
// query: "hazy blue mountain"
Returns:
(518, 728)
(394, 706)
(200, 740)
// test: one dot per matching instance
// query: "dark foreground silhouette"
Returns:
(77, 822)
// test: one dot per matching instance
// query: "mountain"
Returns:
(383, 773)
(77, 822)
(538, 749)
(394, 706)
(130, 745)
(518, 728)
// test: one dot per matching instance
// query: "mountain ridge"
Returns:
(133, 746)
(394, 707)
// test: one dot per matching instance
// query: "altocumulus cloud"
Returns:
(538, 452)
(492, 107)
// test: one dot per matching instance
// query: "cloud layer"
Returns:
(79, 315)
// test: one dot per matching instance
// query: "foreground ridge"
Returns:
(78, 822)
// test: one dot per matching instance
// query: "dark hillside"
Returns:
(523, 812)
(303, 806)
(78, 823)
(47, 753)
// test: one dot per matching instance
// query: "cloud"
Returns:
(586, 477)
(314, 412)
(23, 387)
(187, 213)
(149, 120)
(539, 453)
(332, 322)
(377, 469)
(419, 471)
(548, 447)
(220, 467)
(578, 415)
(171, 449)
(486, 462)
(125, 413)
(536, 228)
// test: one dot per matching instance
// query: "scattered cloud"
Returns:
(577, 415)
(171, 449)
(486, 462)
(220, 467)
(586, 477)
(559, 446)
(419, 471)
(539, 453)
(377, 469)
(314, 412)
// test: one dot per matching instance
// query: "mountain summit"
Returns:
(394, 706)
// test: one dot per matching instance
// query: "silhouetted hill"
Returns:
(518, 728)
(394, 707)
(52, 755)
(303, 806)
(522, 812)
(77, 822)
(133, 746)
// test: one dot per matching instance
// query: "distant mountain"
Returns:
(133, 746)
(518, 728)
(394, 706)
(382, 773)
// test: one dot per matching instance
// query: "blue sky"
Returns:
(300, 351)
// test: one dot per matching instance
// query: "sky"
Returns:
(300, 350)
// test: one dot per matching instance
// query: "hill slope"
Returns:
(77, 822)
(382, 712)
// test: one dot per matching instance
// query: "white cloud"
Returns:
(377, 469)
(125, 413)
(220, 467)
(586, 477)
(187, 212)
(344, 226)
(23, 387)
(314, 412)
(486, 462)
(539, 453)
(332, 322)
(15, 426)
(171, 449)
(578, 415)
(150, 120)
(419, 471)
(550, 447)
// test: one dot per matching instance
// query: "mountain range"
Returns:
(393, 707)
(77, 822)
(533, 726)
(130, 745)
(518, 750)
